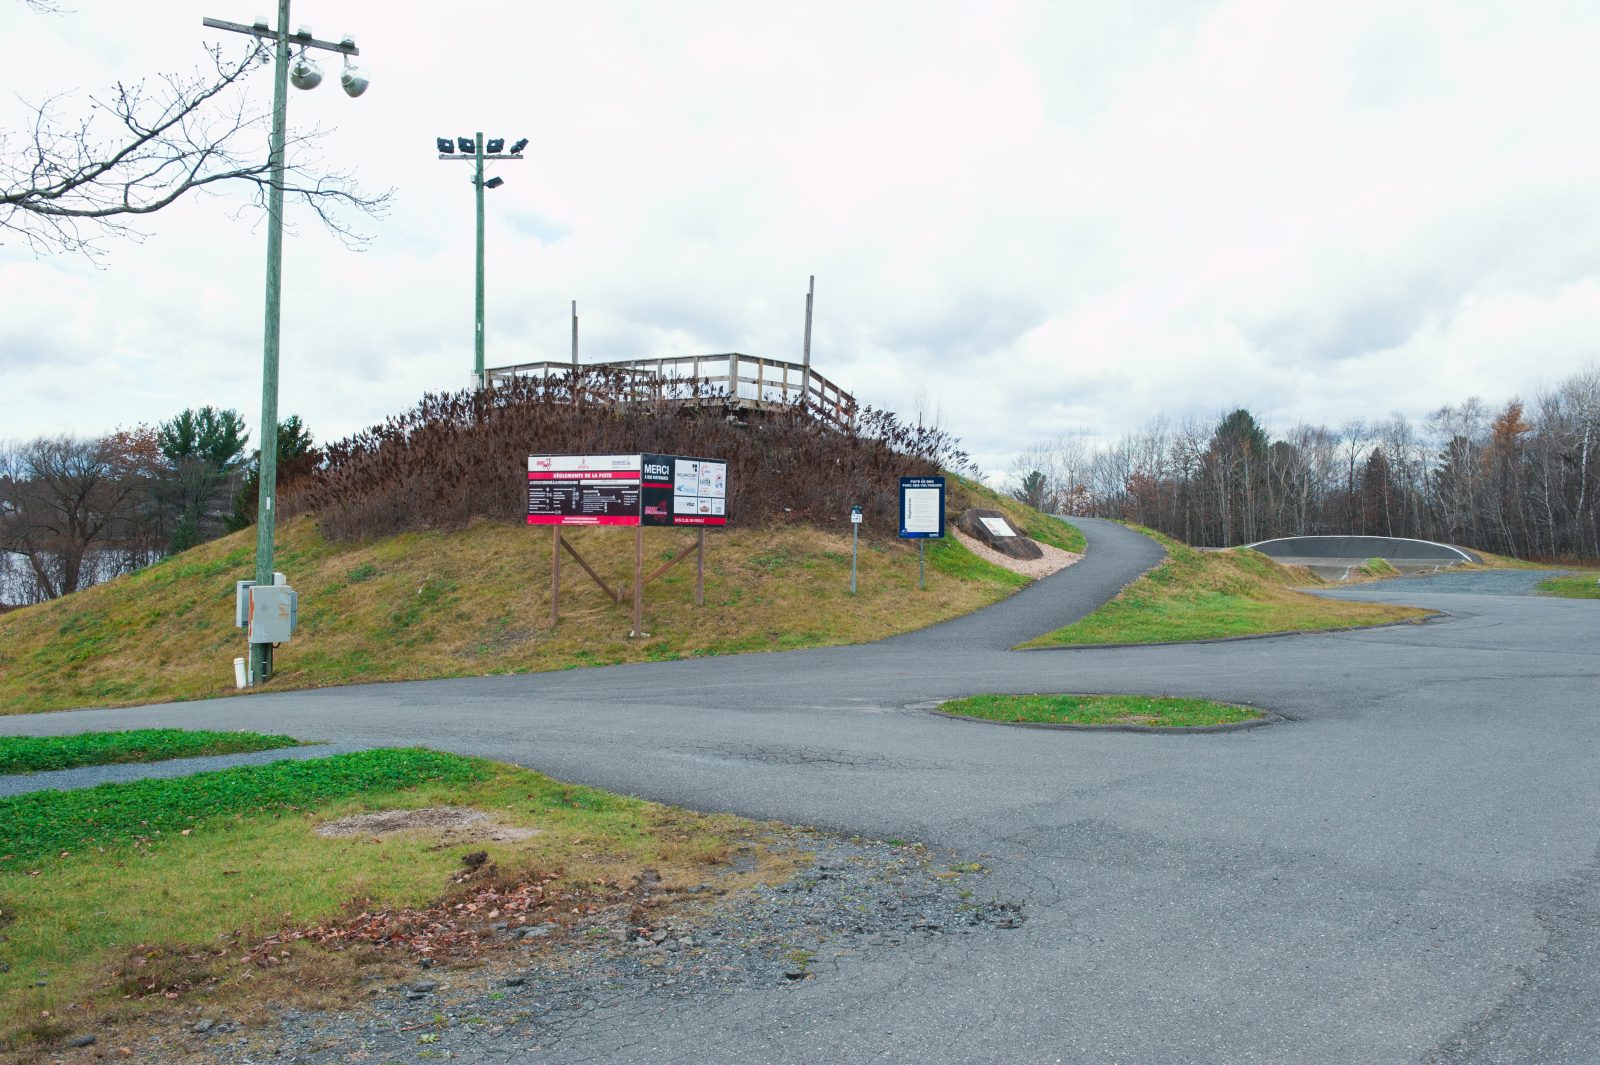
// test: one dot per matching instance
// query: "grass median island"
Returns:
(1579, 586)
(148, 903)
(1204, 595)
(476, 601)
(1149, 711)
(35, 754)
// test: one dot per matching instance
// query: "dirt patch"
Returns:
(454, 824)
(1053, 559)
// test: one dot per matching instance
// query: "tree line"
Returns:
(1519, 479)
(75, 511)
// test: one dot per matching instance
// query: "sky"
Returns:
(1024, 219)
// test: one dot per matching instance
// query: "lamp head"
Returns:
(354, 80)
(446, 145)
(305, 73)
(494, 183)
(494, 145)
(468, 145)
(516, 149)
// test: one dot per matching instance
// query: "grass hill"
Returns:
(1208, 595)
(476, 600)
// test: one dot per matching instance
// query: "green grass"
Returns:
(1580, 586)
(152, 893)
(950, 557)
(1203, 595)
(39, 824)
(965, 494)
(1101, 710)
(476, 601)
(33, 754)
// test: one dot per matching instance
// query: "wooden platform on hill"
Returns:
(736, 384)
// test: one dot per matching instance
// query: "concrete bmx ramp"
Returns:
(1336, 556)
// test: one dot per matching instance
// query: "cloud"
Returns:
(1056, 216)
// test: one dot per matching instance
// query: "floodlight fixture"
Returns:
(468, 145)
(516, 149)
(495, 145)
(305, 73)
(494, 183)
(446, 145)
(354, 80)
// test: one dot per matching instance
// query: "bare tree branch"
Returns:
(64, 185)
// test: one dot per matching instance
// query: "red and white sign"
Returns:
(626, 490)
(583, 489)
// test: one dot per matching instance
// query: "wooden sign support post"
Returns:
(555, 574)
(559, 542)
(634, 490)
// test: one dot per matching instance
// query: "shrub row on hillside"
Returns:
(459, 456)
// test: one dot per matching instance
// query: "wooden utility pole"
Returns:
(805, 354)
(574, 336)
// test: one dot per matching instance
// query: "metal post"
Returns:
(477, 359)
(921, 586)
(855, 536)
(266, 516)
(700, 571)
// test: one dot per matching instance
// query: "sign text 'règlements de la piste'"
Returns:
(627, 490)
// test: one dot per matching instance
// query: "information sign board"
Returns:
(922, 508)
(627, 490)
(583, 489)
(679, 490)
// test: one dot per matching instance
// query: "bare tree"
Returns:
(65, 182)
(60, 499)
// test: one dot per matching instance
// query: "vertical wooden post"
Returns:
(555, 575)
(700, 571)
(638, 582)
(805, 353)
(574, 355)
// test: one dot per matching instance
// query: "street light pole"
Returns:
(477, 151)
(354, 85)
(477, 354)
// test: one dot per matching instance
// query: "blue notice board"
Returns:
(922, 508)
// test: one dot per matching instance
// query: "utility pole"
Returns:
(305, 75)
(477, 151)
(805, 355)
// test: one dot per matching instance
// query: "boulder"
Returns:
(995, 529)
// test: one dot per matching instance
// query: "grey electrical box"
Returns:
(272, 613)
(241, 603)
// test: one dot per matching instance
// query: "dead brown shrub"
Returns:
(463, 455)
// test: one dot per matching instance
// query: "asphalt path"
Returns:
(1405, 870)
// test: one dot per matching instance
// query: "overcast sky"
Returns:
(1043, 217)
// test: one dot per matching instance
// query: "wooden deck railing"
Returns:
(734, 380)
